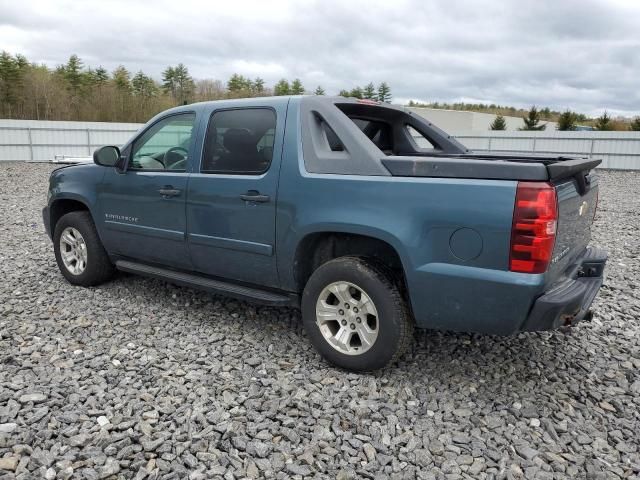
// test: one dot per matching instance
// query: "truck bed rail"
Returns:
(488, 167)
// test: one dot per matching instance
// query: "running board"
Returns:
(242, 292)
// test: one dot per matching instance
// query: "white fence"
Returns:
(29, 140)
(38, 141)
(618, 150)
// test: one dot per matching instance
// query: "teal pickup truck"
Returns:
(366, 216)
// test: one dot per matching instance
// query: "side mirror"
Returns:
(108, 156)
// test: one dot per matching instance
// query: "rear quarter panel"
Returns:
(466, 287)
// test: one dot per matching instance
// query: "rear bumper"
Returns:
(568, 303)
(469, 299)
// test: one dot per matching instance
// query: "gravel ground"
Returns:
(141, 379)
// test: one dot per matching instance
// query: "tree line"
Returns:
(73, 91)
(568, 121)
(546, 113)
(533, 118)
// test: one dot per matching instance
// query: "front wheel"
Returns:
(79, 252)
(354, 314)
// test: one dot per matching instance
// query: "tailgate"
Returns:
(577, 200)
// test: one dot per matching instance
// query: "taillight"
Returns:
(533, 233)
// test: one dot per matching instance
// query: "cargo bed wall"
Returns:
(489, 167)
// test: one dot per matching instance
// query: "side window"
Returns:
(239, 141)
(419, 139)
(164, 146)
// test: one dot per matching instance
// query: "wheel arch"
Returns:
(61, 206)
(319, 247)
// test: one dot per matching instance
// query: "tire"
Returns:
(365, 342)
(97, 267)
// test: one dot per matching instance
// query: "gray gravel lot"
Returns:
(141, 379)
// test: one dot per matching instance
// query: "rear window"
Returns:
(239, 141)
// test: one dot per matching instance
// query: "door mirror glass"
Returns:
(107, 156)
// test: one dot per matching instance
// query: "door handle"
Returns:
(168, 191)
(255, 196)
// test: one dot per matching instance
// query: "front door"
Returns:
(143, 209)
(231, 203)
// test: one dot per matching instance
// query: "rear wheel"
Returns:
(355, 315)
(79, 253)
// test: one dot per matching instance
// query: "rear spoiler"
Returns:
(499, 168)
(578, 168)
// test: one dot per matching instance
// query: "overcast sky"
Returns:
(578, 54)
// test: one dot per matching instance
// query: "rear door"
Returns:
(143, 209)
(231, 202)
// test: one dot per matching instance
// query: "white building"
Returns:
(457, 122)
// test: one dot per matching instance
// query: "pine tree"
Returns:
(343, 93)
(184, 83)
(384, 92)
(9, 74)
(532, 120)
(282, 88)
(72, 73)
(21, 61)
(257, 86)
(296, 87)
(169, 82)
(603, 122)
(499, 123)
(319, 91)
(238, 83)
(635, 125)
(97, 77)
(143, 86)
(101, 75)
(369, 92)
(122, 79)
(177, 82)
(567, 121)
(356, 92)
